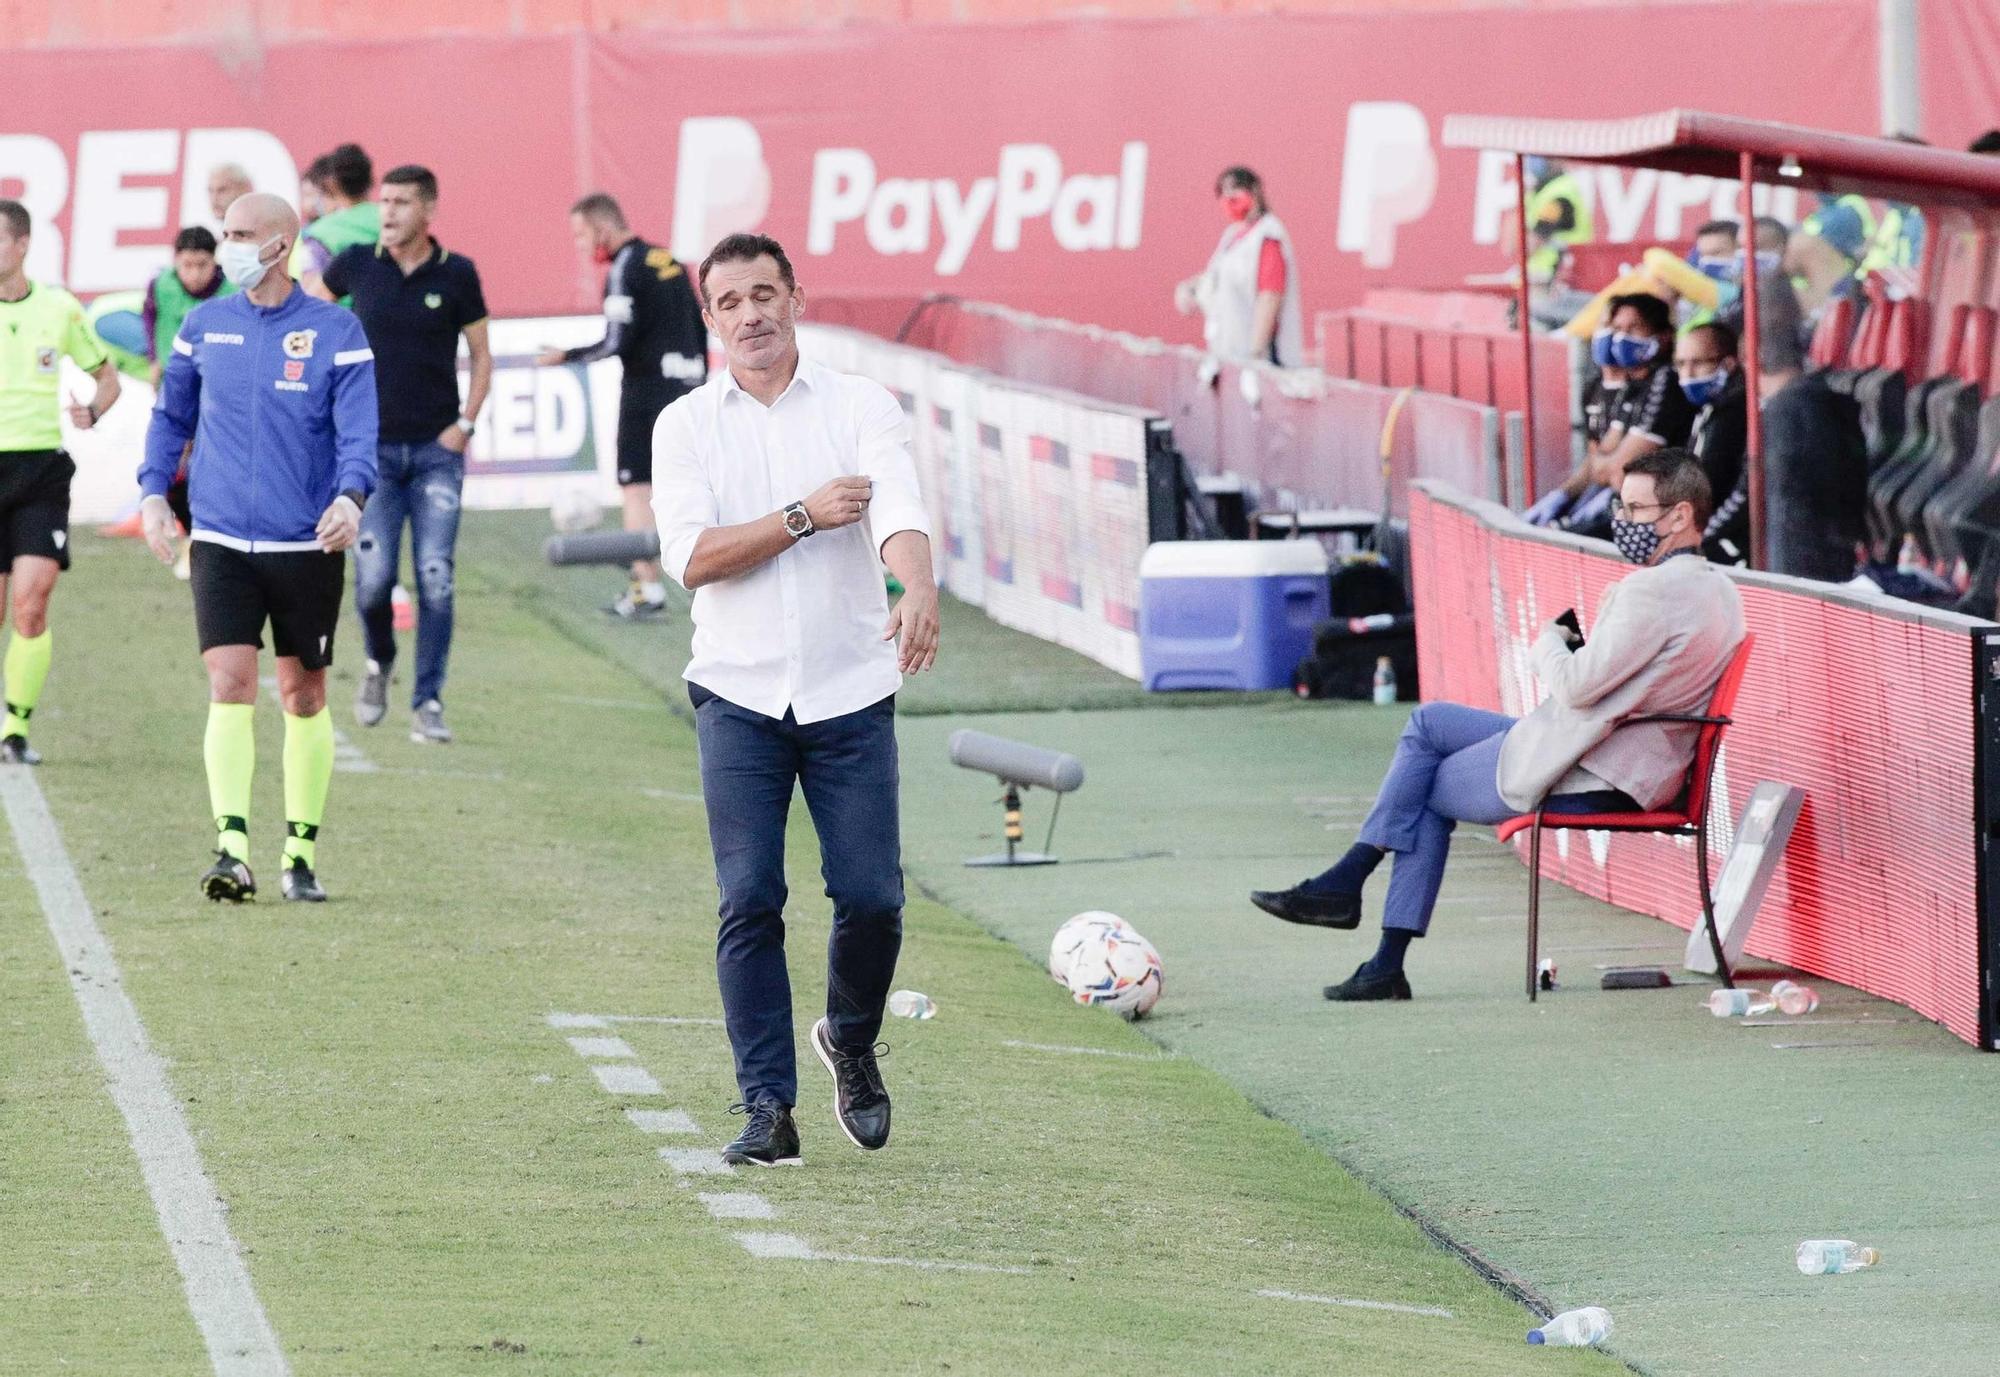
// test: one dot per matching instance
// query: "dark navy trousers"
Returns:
(847, 768)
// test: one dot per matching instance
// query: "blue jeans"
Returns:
(420, 484)
(847, 768)
(1445, 772)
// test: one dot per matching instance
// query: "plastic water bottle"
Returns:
(1828, 1256)
(402, 612)
(1385, 682)
(1738, 1002)
(1794, 999)
(911, 1004)
(1574, 1328)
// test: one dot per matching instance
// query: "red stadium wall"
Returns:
(1060, 167)
(1863, 702)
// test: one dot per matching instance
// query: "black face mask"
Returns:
(1638, 541)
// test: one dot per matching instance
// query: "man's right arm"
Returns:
(173, 423)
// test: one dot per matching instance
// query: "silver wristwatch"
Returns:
(798, 524)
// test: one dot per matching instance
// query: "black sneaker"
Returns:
(770, 1139)
(1310, 908)
(299, 884)
(860, 1103)
(229, 879)
(1364, 985)
(15, 750)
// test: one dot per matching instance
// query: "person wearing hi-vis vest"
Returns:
(1558, 215)
(1249, 292)
(348, 218)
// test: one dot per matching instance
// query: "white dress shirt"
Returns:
(802, 631)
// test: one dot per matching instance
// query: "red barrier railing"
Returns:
(1864, 702)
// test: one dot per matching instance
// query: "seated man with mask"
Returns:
(1662, 638)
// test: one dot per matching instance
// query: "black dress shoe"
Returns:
(1311, 908)
(770, 1139)
(860, 1104)
(1363, 985)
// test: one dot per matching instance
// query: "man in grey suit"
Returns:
(1664, 635)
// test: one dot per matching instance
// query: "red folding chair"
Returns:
(1688, 821)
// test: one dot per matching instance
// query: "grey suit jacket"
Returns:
(1663, 636)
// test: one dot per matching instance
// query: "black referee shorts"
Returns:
(638, 408)
(34, 506)
(297, 591)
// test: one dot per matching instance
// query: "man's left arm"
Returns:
(479, 350)
(83, 348)
(901, 530)
(1629, 635)
(355, 426)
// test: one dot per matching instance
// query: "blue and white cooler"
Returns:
(1229, 614)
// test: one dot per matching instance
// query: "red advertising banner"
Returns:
(1863, 702)
(1064, 168)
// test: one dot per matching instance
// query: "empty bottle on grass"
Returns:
(1385, 681)
(1794, 999)
(1738, 1002)
(1828, 1256)
(1574, 1328)
(912, 1004)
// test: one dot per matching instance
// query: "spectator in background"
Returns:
(1706, 363)
(1715, 248)
(1815, 456)
(348, 217)
(312, 191)
(1558, 216)
(226, 181)
(1249, 292)
(192, 278)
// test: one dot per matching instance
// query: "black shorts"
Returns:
(637, 410)
(298, 591)
(34, 505)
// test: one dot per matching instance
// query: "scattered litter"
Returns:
(1794, 999)
(1738, 1002)
(1574, 1328)
(912, 1004)
(1545, 973)
(1829, 1256)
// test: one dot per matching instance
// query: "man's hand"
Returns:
(548, 358)
(914, 621)
(339, 525)
(454, 438)
(80, 414)
(156, 520)
(841, 502)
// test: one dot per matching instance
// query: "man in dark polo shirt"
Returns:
(415, 298)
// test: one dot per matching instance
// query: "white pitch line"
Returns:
(737, 1205)
(673, 795)
(1085, 1051)
(577, 1021)
(601, 1047)
(669, 1022)
(776, 1245)
(661, 1121)
(625, 1080)
(347, 757)
(581, 701)
(237, 1333)
(924, 1264)
(1352, 1304)
(696, 1161)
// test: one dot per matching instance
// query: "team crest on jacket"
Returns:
(294, 370)
(433, 300)
(299, 344)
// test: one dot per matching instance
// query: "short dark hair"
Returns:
(1243, 178)
(1771, 224)
(1724, 334)
(412, 174)
(319, 171)
(1651, 309)
(745, 248)
(350, 170)
(1677, 477)
(600, 205)
(19, 222)
(194, 239)
(1728, 227)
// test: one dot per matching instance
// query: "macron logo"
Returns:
(214, 337)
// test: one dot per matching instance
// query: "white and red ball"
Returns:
(1115, 968)
(1079, 932)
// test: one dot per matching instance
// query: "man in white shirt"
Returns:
(781, 489)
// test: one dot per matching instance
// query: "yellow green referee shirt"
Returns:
(35, 332)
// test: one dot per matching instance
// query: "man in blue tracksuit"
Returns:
(277, 390)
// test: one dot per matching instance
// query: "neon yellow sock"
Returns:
(230, 750)
(308, 772)
(26, 667)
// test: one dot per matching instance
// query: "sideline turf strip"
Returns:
(426, 1179)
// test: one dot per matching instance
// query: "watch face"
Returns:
(797, 522)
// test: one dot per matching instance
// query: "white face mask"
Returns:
(243, 264)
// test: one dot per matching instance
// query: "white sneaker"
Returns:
(371, 699)
(427, 724)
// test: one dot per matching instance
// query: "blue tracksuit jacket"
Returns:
(280, 403)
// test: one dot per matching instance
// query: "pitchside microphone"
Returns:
(1018, 766)
(602, 547)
